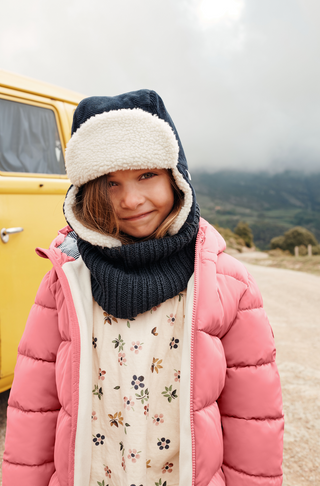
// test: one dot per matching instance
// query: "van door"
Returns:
(32, 188)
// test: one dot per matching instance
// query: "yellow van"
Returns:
(35, 126)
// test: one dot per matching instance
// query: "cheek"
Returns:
(166, 198)
(114, 199)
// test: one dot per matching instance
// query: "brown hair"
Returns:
(94, 209)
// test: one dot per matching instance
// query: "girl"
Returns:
(147, 358)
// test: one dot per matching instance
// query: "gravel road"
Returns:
(292, 302)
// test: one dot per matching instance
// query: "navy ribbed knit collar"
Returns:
(131, 279)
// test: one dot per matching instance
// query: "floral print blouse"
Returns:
(135, 396)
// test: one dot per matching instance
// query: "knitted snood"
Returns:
(131, 279)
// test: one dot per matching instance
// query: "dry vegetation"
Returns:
(279, 259)
(273, 258)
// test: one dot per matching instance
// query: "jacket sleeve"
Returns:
(33, 405)
(251, 402)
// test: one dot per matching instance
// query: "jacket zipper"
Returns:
(200, 240)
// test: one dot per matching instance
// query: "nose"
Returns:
(131, 198)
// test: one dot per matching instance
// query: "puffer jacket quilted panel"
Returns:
(253, 447)
(212, 363)
(64, 372)
(26, 426)
(20, 474)
(237, 478)
(35, 385)
(62, 447)
(54, 481)
(208, 439)
(256, 391)
(218, 479)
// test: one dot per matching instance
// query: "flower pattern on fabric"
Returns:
(158, 419)
(167, 467)
(174, 343)
(177, 375)
(160, 483)
(169, 394)
(101, 374)
(115, 419)
(118, 343)
(121, 381)
(128, 403)
(171, 319)
(155, 308)
(156, 365)
(97, 391)
(163, 443)
(133, 455)
(136, 347)
(94, 416)
(98, 439)
(122, 359)
(128, 322)
(143, 396)
(137, 382)
(146, 410)
(122, 449)
(108, 318)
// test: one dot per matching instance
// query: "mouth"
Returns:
(137, 217)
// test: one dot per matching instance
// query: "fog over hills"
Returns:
(270, 203)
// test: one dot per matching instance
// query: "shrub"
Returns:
(277, 252)
(303, 251)
(316, 250)
(277, 242)
(232, 240)
(243, 230)
(297, 236)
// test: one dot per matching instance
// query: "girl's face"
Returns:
(142, 199)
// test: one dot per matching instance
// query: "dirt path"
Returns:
(292, 302)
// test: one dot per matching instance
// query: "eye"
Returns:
(112, 184)
(148, 175)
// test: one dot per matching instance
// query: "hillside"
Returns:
(270, 204)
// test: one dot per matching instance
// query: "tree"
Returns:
(296, 236)
(243, 230)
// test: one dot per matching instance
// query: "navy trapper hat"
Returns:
(129, 131)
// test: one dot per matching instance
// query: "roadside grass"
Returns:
(301, 264)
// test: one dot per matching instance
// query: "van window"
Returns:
(29, 139)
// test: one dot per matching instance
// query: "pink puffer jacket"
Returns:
(236, 420)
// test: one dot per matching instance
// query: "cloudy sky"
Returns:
(240, 78)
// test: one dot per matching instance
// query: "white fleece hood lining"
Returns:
(121, 140)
